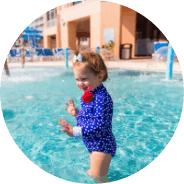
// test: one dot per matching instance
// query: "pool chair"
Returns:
(15, 55)
(54, 51)
(59, 54)
(48, 55)
(28, 55)
(39, 54)
(70, 53)
(12, 55)
(56, 56)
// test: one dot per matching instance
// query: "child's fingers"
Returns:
(71, 102)
(64, 125)
(64, 130)
(62, 120)
(67, 104)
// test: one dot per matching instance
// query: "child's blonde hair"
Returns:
(94, 63)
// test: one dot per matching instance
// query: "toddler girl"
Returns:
(94, 119)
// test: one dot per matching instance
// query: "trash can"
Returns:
(126, 51)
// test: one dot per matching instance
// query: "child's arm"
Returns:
(68, 129)
(77, 131)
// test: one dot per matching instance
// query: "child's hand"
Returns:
(71, 108)
(68, 129)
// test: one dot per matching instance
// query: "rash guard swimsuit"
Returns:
(94, 123)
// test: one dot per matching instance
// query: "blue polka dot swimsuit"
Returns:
(95, 119)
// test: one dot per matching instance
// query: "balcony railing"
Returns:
(51, 23)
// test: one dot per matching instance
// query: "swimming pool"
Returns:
(147, 110)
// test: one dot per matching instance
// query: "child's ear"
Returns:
(99, 77)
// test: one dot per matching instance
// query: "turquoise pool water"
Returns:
(147, 110)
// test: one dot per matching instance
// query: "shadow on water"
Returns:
(8, 114)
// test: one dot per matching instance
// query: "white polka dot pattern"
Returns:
(95, 119)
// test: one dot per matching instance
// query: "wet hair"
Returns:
(93, 62)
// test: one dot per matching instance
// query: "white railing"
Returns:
(51, 23)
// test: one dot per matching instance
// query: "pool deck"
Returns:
(133, 64)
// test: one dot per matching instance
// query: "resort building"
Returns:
(93, 23)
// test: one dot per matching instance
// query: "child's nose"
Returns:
(81, 83)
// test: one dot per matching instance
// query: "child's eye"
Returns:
(83, 79)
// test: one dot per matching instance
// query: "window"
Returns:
(48, 18)
(77, 2)
(83, 39)
(51, 14)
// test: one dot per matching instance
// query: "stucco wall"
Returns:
(110, 18)
(128, 27)
(95, 26)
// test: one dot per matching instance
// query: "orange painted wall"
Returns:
(109, 15)
(128, 27)
(95, 25)
(110, 18)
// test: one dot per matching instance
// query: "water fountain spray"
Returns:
(170, 59)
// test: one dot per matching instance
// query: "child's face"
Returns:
(86, 80)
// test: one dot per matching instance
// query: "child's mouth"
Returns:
(85, 88)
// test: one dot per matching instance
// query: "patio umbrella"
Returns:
(31, 30)
(28, 34)
(31, 36)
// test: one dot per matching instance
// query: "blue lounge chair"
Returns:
(61, 53)
(12, 55)
(13, 52)
(59, 49)
(29, 55)
(15, 55)
(56, 55)
(48, 54)
(54, 51)
(39, 53)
